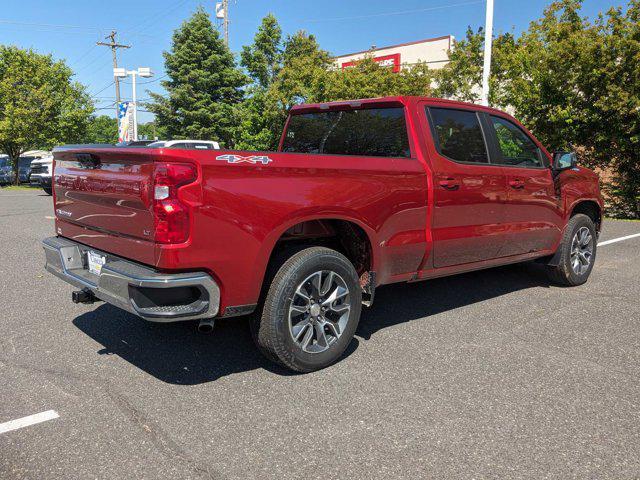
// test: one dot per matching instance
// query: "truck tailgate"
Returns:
(108, 191)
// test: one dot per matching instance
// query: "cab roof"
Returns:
(385, 101)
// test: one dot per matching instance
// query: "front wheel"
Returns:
(578, 252)
(311, 310)
(48, 190)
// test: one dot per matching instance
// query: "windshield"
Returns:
(25, 162)
(156, 145)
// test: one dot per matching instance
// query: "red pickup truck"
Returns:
(359, 194)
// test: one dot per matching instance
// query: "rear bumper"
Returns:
(138, 289)
(44, 180)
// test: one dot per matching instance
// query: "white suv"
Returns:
(186, 144)
(41, 173)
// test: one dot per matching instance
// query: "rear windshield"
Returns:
(376, 132)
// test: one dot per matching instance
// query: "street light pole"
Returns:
(133, 74)
(144, 72)
(488, 37)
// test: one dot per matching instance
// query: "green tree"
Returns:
(101, 129)
(263, 61)
(40, 105)
(461, 78)
(367, 79)
(203, 87)
(263, 58)
(617, 108)
(303, 71)
(151, 131)
(574, 82)
(308, 74)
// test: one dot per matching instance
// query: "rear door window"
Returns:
(458, 135)
(515, 146)
(376, 132)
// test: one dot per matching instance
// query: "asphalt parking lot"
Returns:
(493, 374)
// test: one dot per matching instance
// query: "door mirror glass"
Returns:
(564, 160)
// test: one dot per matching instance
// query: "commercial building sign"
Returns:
(392, 61)
(434, 52)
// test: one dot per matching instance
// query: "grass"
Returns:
(19, 187)
(621, 219)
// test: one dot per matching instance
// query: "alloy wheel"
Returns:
(581, 250)
(319, 311)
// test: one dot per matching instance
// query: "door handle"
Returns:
(516, 183)
(449, 183)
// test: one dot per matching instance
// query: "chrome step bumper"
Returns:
(138, 289)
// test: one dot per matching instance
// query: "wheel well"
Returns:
(590, 209)
(346, 237)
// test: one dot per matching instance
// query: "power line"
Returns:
(151, 20)
(83, 55)
(386, 14)
(51, 25)
(102, 89)
(54, 25)
(100, 56)
(149, 81)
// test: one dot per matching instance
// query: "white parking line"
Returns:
(614, 240)
(26, 421)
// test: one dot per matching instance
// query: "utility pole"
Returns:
(488, 38)
(225, 7)
(114, 46)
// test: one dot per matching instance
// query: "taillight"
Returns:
(171, 216)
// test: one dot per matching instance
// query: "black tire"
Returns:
(564, 273)
(48, 190)
(272, 332)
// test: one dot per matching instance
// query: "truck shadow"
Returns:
(176, 353)
(399, 303)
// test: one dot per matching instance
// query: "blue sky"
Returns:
(69, 29)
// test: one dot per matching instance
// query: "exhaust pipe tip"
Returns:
(206, 325)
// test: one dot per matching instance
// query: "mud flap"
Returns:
(368, 285)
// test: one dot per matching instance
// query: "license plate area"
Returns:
(95, 261)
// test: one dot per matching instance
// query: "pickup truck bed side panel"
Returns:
(247, 207)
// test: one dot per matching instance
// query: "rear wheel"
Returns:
(48, 190)
(578, 252)
(311, 310)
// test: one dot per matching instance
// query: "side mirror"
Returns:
(564, 160)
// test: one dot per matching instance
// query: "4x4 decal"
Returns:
(229, 158)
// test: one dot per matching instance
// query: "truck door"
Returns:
(533, 211)
(468, 191)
